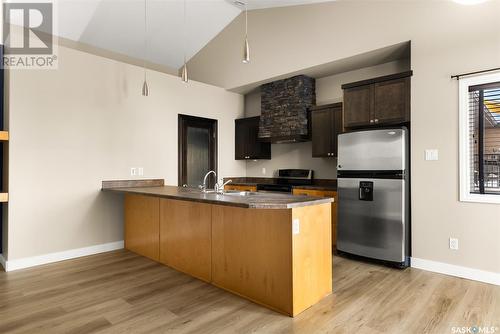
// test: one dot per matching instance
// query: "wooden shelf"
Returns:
(4, 135)
(4, 197)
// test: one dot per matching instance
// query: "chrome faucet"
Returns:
(204, 186)
(219, 189)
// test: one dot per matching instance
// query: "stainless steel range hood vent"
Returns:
(284, 109)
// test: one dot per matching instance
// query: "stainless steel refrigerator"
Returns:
(373, 195)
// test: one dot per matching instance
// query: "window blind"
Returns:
(484, 134)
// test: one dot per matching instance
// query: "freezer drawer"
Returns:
(371, 218)
(373, 150)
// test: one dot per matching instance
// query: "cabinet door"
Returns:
(186, 237)
(240, 187)
(247, 145)
(358, 106)
(241, 139)
(321, 132)
(142, 225)
(337, 128)
(392, 101)
(255, 148)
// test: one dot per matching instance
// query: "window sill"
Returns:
(488, 199)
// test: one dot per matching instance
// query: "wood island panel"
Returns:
(312, 256)
(252, 254)
(279, 258)
(142, 226)
(185, 237)
(324, 193)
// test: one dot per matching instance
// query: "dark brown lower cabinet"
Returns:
(326, 124)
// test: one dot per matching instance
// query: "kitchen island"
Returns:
(273, 249)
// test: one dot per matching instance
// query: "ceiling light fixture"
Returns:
(184, 71)
(246, 47)
(145, 87)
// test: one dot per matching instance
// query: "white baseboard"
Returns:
(2, 261)
(458, 271)
(28, 262)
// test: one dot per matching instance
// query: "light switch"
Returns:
(263, 170)
(431, 155)
(140, 171)
(133, 171)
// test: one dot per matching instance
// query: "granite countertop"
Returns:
(252, 201)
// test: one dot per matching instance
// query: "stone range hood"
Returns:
(284, 109)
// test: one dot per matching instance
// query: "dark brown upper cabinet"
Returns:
(326, 124)
(247, 144)
(379, 101)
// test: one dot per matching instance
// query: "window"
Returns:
(480, 138)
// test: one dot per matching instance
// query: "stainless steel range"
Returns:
(287, 179)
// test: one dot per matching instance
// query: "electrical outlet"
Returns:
(140, 171)
(133, 171)
(263, 170)
(295, 226)
(431, 155)
(453, 243)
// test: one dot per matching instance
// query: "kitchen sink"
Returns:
(240, 193)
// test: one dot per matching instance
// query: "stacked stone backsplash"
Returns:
(284, 106)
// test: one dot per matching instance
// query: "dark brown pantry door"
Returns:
(197, 150)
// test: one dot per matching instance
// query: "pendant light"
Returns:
(246, 48)
(184, 72)
(145, 87)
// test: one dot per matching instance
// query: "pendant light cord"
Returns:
(145, 40)
(185, 32)
(246, 20)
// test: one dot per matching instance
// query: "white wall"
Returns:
(299, 155)
(446, 38)
(86, 122)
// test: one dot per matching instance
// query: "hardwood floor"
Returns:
(120, 292)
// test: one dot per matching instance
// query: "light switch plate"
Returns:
(431, 154)
(263, 170)
(140, 171)
(133, 171)
(296, 226)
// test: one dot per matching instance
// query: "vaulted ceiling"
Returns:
(118, 25)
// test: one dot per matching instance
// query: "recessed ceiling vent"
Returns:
(284, 109)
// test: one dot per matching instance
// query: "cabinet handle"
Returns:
(371, 121)
(376, 120)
